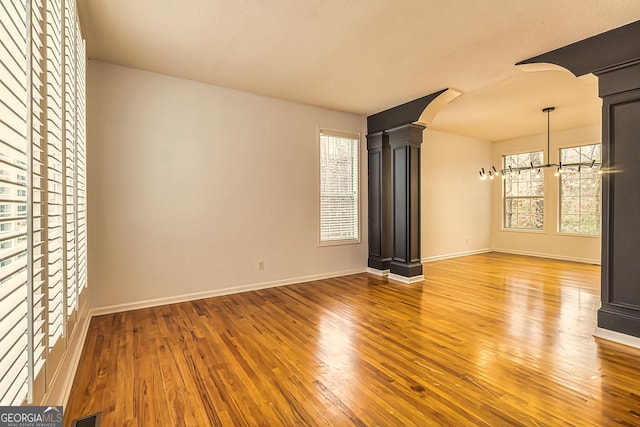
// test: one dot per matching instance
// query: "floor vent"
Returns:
(92, 420)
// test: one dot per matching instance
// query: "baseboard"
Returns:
(456, 255)
(550, 256)
(376, 272)
(617, 337)
(216, 293)
(406, 280)
(62, 379)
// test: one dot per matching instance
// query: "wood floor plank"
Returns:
(490, 339)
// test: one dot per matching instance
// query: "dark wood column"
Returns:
(393, 146)
(380, 242)
(619, 89)
(614, 57)
(405, 144)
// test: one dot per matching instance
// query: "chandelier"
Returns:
(559, 167)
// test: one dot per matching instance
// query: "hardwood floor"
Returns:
(490, 339)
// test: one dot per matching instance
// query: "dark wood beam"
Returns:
(601, 51)
(400, 115)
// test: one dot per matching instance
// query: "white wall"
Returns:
(548, 242)
(456, 205)
(190, 185)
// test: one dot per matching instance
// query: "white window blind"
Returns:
(70, 154)
(81, 161)
(42, 183)
(38, 178)
(54, 171)
(339, 205)
(13, 203)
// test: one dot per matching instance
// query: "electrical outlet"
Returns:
(261, 265)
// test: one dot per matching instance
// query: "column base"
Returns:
(617, 337)
(381, 264)
(406, 269)
(620, 321)
(404, 279)
(376, 272)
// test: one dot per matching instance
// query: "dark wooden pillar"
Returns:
(614, 57)
(393, 146)
(619, 89)
(405, 144)
(380, 242)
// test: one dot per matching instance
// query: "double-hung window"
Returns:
(580, 190)
(339, 194)
(524, 191)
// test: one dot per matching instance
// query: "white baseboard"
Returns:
(62, 379)
(407, 280)
(216, 293)
(375, 271)
(550, 256)
(456, 255)
(617, 337)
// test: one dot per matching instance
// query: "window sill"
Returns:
(591, 236)
(338, 242)
(522, 230)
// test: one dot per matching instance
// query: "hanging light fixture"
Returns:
(492, 172)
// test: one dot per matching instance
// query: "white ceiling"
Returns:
(364, 56)
(513, 107)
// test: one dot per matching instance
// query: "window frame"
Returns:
(505, 197)
(358, 229)
(559, 230)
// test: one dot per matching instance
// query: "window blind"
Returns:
(339, 208)
(70, 155)
(54, 171)
(38, 229)
(81, 161)
(42, 181)
(13, 203)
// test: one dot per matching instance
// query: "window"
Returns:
(39, 233)
(580, 190)
(339, 205)
(524, 192)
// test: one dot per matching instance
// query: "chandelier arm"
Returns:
(491, 172)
